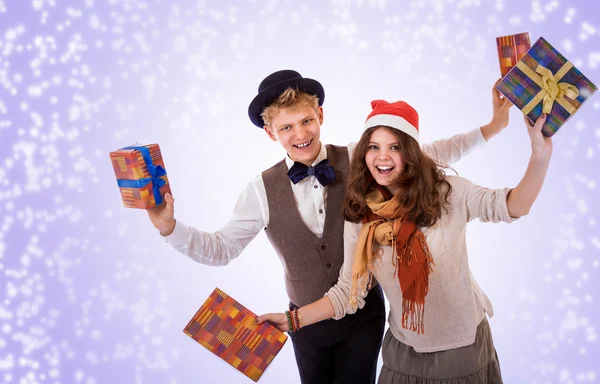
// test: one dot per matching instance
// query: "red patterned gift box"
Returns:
(511, 49)
(227, 329)
(141, 175)
(544, 81)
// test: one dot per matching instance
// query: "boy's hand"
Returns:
(500, 109)
(163, 216)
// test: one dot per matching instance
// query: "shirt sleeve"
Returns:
(221, 247)
(351, 148)
(339, 294)
(450, 150)
(488, 205)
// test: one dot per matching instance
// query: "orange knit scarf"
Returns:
(388, 225)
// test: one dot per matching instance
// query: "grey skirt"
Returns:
(474, 364)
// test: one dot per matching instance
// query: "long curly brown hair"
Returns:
(423, 189)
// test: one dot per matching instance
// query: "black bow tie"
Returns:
(323, 171)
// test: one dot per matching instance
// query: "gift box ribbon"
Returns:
(155, 173)
(552, 90)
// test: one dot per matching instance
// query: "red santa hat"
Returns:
(398, 115)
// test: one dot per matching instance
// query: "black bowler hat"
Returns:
(274, 85)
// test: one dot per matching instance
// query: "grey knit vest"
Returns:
(311, 264)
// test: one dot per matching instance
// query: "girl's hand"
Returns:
(541, 146)
(279, 320)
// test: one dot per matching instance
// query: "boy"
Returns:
(298, 202)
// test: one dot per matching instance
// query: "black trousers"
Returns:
(342, 351)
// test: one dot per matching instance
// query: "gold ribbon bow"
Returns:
(552, 90)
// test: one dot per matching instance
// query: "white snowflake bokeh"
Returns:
(90, 293)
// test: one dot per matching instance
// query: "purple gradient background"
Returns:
(90, 293)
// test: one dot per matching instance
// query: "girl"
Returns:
(406, 226)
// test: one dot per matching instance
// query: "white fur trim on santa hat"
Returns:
(394, 122)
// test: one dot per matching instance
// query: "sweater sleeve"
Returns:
(488, 205)
(450, 150)
(339, 294)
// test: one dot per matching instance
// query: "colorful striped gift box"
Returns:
(544, 81)
(227, 329)
(141, 175)
(511, 49)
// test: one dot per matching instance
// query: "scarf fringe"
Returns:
(413, 312)
(408, 252)
(395, 259)
(423, 242)
(359, 283)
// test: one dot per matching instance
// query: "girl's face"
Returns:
(383, 157)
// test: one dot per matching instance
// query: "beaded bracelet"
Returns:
(289, 319)
(294, 323)
(296, 319)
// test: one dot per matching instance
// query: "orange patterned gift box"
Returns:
(141, 175)
(227, 329)
(511, 49)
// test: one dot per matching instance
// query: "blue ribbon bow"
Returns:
(155, 171)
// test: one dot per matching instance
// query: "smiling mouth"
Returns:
(303, 145)
(384, 169)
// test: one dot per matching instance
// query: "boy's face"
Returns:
(298, 130)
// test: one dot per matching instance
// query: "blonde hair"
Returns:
(290, 98)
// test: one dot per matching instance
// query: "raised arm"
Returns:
(521, 198)
(450, 150)
(218, 248)
(506, 204)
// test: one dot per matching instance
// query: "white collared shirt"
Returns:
(311, 197)
(251, 212)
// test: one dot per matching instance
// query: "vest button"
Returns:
(316, 186)
(320, 211)
(329, 265)
(323, 246)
